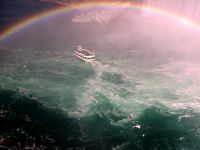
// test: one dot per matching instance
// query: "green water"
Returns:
(140, 94)
(64, 102)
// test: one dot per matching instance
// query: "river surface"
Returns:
(141, 93)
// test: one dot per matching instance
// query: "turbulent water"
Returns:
(142, 92)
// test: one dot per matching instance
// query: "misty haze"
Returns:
(140, 93)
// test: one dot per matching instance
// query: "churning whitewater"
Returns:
(141, 92)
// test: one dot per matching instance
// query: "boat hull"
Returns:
(84, 59)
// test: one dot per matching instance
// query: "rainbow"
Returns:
(61, 9)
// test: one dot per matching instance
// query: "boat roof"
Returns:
(85, 52)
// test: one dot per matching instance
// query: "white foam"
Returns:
(146, 94)
(137, 126)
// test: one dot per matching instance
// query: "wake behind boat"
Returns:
(84, 54)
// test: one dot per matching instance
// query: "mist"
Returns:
(141, 91)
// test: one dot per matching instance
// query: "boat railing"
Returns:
(80, 50)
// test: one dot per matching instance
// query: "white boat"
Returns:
(84, 54)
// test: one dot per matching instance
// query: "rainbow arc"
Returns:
(62, 9)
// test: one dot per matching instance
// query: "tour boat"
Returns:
(84, 54)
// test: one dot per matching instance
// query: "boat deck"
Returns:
(84, 52)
